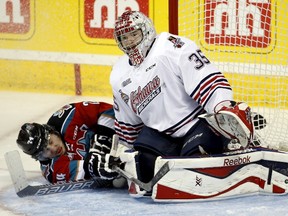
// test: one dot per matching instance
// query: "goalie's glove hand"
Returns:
(235, 121)
(100, 165)
(101, 144)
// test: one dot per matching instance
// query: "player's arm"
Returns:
(127, 123)
(88, 113)
(62, 169)
(211, 90)
(202, 80)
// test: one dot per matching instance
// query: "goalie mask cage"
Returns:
(247, 40)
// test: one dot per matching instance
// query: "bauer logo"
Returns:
(243, 23)
(100, 15)
(16, 19)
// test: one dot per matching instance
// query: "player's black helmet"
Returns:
(33, 138)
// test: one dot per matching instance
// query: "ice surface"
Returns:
(18, 108)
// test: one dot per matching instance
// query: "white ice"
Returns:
(18, 108)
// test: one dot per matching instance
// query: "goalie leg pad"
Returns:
(222, 176)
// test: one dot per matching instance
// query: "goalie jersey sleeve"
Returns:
(175, 83)
(77, 124)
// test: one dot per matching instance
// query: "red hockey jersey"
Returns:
(77, 124)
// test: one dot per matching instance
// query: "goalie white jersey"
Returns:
(174, 84)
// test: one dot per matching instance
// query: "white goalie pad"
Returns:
(254, 171)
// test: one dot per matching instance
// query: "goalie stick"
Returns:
(149, 185)
(23, 189)
(146, 186)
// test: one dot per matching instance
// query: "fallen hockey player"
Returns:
(73, 143)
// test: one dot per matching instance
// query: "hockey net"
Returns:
(247, 39)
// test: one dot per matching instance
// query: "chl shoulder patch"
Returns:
(177, 43)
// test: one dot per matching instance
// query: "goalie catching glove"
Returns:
(233, 120)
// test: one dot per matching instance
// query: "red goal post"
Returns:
(247, 40)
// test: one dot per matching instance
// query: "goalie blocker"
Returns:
(228, 175)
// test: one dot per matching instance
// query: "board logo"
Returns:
(243, 23)
(99, 16)
(16, 19)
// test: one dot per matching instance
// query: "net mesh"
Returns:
(247, 40)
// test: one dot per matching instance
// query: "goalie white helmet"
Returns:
(134, 33)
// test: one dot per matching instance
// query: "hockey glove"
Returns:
(101, 144)
(232, 120)
(102, 140)
(100, 165)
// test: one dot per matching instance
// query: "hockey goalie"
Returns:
(173, 105)
(243, 169)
